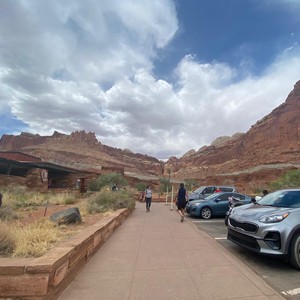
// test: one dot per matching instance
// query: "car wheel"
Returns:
(295, 252)
(205, 213)
(226, 220)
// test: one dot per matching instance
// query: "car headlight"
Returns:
(195, 204)
(274, 218)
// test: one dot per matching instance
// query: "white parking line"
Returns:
(292, 292)
(221, 238)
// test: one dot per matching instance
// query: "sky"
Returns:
(157, 77)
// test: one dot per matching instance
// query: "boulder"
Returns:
(68, 216)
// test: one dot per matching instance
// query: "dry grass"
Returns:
(7, 239)
(62, 198)
(8, 214)
(36, 239)
(28, 238)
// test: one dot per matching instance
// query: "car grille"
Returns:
(244, 240)
(244, 226)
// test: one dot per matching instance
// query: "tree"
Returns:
(107, 180)
(190, 184)
(164, 184)
(140, 186)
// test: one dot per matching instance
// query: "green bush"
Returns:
(190, 184)
(106, 200)
(141, 186)
(93, 185)
(107, 180)
(164, 184)
(290, 179)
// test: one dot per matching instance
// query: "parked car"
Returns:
(204, 191)
(269, 226)
(214, 205)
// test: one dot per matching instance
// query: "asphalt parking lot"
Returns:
(277, 273)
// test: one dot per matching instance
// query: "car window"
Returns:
(199, 189)
(226, 189)
(291, 199)
(208, 190)
(282, 199)
(225, 197)
(212, 196)
(241, 197)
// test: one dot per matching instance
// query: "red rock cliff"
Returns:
(268, 149)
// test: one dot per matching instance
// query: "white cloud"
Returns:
(73, 65)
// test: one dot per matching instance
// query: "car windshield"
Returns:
(212, 196)
(281, 199)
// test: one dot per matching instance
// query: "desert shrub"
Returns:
(16, 189)
(36, 239)
(70, 201)
(190, 184)
(20, 198)
(140, 186)
(164, 184)
(61, 198)
(107, 180)
(7, 239)
(105, 200)
(7, 213)
(93, 185)
(290, 179)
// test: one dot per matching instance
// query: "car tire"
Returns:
(206, 213)
(295, 252)
(226, 220)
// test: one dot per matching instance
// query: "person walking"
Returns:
(148, 198)
(265, 192)
(181, 200)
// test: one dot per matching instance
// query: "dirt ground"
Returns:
(28, 217)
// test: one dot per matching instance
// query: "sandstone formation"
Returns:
(267, 150)
(82, 151)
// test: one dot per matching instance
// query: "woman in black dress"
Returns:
(181, 200)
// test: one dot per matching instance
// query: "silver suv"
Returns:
(269, 226)
(204, 191)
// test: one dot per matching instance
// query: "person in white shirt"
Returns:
(148, 198)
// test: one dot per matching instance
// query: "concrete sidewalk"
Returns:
(155, 256)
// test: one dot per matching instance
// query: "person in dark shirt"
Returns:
(265, 192)
(181, 200)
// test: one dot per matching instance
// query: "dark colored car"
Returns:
(214, 205)
(204, 191)
(271, 226)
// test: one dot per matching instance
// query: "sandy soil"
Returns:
(27, 217)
